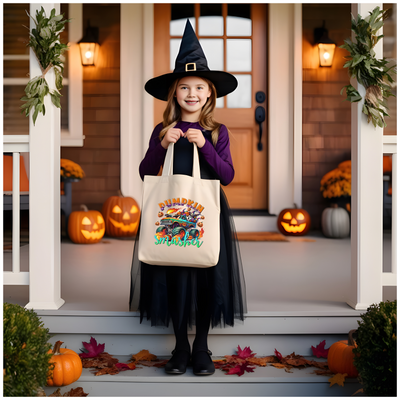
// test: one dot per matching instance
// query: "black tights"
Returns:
(203, 316)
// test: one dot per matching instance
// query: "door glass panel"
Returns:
(211, 22)
(179, 14)
(238, 54)
(238, 21)
(214, 52)
(241, 97)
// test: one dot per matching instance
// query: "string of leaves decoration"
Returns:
(375, 75)
(45, 43)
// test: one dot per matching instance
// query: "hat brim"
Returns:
(224, 82)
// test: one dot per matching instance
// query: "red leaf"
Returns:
(320, 350)
(92, 349)
(240, 369)
(125, 367)
(278, 355)
(245, 353)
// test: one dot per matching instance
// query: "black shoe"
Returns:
(178, 362)
(202, 363)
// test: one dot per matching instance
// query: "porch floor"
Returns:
(307, 276)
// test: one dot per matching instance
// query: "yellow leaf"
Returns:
(338, 378)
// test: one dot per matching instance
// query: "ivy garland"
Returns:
(45, 43)
(373, 74)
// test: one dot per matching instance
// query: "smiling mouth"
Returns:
(191, 102)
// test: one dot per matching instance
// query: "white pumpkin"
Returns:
(335, 222)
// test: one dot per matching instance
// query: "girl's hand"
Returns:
(195, 136)
(172, 136)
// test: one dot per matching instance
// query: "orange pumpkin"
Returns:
(341, 356)
(86, 227)
(294, 222)
(67, 367)
(121, 216)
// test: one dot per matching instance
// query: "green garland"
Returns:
(373, 74)
(45, 43)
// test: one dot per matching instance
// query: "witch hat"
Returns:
(191, 61)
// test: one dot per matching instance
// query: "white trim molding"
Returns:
(284, 106)
(137, 27)
(73, 136)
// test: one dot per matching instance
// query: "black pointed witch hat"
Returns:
(191, 61)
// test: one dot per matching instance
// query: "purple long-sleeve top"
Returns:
(218, 157)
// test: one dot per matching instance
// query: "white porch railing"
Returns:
(16, 145)
(389, 147)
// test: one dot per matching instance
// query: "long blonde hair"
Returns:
(172, 112)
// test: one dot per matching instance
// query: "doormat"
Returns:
(261, 237)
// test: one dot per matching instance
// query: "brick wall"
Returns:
(100, 155)
(326, 117)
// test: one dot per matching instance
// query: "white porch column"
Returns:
(44, 196)
(366, 197)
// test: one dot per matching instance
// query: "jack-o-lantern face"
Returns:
(293, 222)
(121, 215)
(93, 229)
(86, 226)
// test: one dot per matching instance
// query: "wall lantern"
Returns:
(89, 45)
(326, 46)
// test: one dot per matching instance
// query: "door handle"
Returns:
(260, 118)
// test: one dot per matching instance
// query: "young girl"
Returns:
(188, 295)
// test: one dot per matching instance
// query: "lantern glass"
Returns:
(326, 52)
(88, 52)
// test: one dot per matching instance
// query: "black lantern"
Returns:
(89, 45)
(326, 46)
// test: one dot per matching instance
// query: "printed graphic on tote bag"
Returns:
(180, 223)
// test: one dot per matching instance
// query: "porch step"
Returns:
(123, 335)
(264, 381)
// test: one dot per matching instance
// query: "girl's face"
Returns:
(191, 94)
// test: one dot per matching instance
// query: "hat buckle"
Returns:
(190, 67)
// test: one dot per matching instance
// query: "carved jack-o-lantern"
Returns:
(293, 222)
(86, 226)
(121, 216)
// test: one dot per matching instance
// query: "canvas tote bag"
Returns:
(180, 217)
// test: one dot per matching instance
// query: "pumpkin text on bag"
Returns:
(180, 217)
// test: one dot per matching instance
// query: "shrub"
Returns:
(375, 354)
(25, 347)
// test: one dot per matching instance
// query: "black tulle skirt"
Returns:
(156, 290)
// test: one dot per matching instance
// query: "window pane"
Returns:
(241, 97)
(238, 54)
(214, 51)
(15, 123)
(220, 102)
(64, 107)
(179, 14)
(211, 22)
(16, 69)
(238, 21)
(174, 45)
(15, 34)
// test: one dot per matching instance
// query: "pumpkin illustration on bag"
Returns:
(121, 216)
(86, 226)
(294, 221)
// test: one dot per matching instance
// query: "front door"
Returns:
(234, 39)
